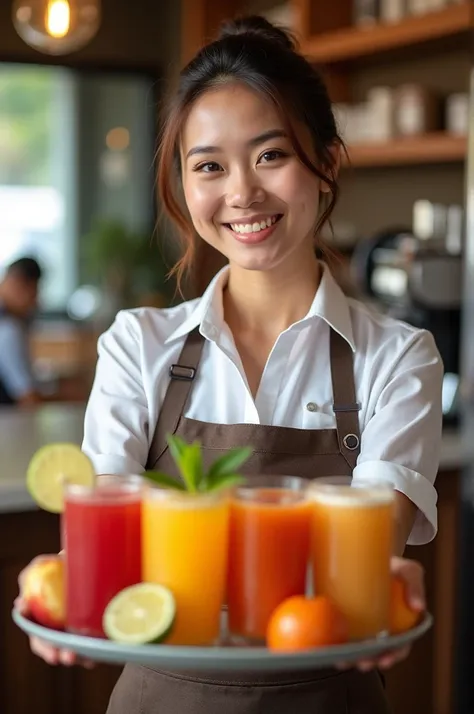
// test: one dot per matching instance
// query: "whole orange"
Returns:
(301, 623)
(402, 616)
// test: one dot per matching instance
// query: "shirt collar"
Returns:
(330, 304)
(209, 311)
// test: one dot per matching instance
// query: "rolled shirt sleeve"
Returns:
(401, 443)
(15, 364)
(116, 420)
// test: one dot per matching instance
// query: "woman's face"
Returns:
(247, 192)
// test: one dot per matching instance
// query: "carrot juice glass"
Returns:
(352, 543)
(102, 543)
(270, 519)
(185, 547)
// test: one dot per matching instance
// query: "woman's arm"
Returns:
(401, 440)
(117, 416)
(405, 513)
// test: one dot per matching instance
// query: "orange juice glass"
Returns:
(270, 524)
(185, 546)
(352, 543)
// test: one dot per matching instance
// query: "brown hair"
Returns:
(252, 51)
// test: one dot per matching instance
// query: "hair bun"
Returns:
(257, 26)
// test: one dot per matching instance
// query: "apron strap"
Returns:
(345, 406)
(181, 380)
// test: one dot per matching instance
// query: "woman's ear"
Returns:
(335, 151)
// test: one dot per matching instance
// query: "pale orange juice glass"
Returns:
(185, 548)
(352, 543)
(270, 532)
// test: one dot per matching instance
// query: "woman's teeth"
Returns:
(253, 227)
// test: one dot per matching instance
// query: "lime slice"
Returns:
(141, 614)
(51, 467)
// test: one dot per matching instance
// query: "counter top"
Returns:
(23, 432)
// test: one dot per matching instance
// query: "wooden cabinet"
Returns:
(330, 38)
(436, 147)
(335, 44)
(200, 22)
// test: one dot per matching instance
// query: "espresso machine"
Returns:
(415, 274)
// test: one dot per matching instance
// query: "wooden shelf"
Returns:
(352, 42)
(429, 149)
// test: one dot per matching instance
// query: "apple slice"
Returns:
(44, 592)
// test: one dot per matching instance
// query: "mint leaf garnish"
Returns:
(188, 458)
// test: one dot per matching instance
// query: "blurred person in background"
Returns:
(18, 303)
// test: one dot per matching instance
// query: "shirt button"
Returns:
(311, 407)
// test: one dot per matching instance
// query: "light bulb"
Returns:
(56, 27)
(58, 18)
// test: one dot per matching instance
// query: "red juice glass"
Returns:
(102, 544)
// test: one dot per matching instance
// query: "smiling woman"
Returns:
(274, 356)
(280, 139)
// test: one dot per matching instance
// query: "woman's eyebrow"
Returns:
(255, 141)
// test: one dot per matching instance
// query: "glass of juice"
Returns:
(352, 543)
(269, 542)
(102, 544)
(184, 546)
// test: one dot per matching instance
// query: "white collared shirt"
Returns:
(398, 377)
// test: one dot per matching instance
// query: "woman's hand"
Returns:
(412, 574)
(47, 652)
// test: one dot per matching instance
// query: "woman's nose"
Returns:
(243, 190)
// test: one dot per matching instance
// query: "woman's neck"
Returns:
(268, 302)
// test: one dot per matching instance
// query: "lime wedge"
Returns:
(51, 467)
(141, 614)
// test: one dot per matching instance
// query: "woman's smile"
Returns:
(254, 229)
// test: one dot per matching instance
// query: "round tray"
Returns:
(255, 659)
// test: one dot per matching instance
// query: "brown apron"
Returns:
(287, 451)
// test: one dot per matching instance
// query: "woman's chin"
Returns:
(257, 263)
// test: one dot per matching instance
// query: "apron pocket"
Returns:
(320, 696)
(141, 690)
(168, 694)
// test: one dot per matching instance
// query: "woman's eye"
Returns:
(271, 155)
(209, 167)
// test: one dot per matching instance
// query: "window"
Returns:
(74, 147)
(37, 175)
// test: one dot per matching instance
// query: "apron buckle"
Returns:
(351, 442)
(346, 407)
(179, 371)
